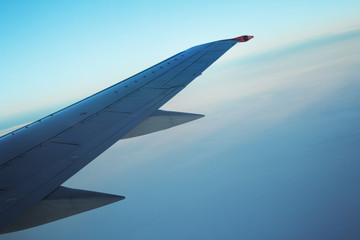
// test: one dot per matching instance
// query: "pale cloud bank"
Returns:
(240, 101)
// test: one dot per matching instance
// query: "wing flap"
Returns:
(93, 128)
(36, 160)
(139, 99)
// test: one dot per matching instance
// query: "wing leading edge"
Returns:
(38, 158)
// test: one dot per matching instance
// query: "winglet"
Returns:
(244, 38)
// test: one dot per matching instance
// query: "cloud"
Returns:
(240, 101)
(267, 92)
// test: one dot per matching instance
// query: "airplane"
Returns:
(37, 158)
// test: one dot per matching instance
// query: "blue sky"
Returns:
(47, 46)
(276, 156)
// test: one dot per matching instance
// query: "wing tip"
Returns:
(243, 38)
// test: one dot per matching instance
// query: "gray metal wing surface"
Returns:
(36, 159)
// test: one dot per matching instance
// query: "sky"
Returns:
(276, 156)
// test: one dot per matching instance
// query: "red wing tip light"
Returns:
(244, 38)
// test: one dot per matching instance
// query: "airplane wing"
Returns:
(36, 159)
